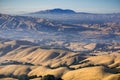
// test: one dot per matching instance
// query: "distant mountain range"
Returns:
(71, 17)
(63, 11)
(55, 11)
(8, 22)
(27, 23)
(49, 32)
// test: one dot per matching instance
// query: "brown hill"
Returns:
(18, 58)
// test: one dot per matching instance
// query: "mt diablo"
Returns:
(70, 16)
(62, 11)
(55, 11)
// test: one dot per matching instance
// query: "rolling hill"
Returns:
(64, 43)
(28, 58)
(51, 34)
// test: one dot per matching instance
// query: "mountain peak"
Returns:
(57, 11)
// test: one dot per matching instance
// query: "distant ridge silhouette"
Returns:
(56, 11)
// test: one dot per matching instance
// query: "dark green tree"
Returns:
(2, 76)
(59, 78)
(23, 77)
(48, 77)
(33, 76)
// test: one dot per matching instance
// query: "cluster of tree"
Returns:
(26, 77)
(15, 62)
(50, 77)
(19, 77)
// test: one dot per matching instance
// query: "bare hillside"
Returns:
(23, 57)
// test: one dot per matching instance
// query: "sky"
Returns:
(91, 6)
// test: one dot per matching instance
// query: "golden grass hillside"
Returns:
(31, 59)
(91, 73)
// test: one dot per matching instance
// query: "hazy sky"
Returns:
(92, 6)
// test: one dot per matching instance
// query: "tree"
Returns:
(48, 77)
(59, 79)
(2, 76)
(23, 77)
(33, 76)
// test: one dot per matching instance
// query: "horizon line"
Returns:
(76, 11)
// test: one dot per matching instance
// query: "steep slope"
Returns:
(19, 23)
(30, 23)
(34, 54)
(91, 73)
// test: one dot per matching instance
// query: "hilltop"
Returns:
(55, 11)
